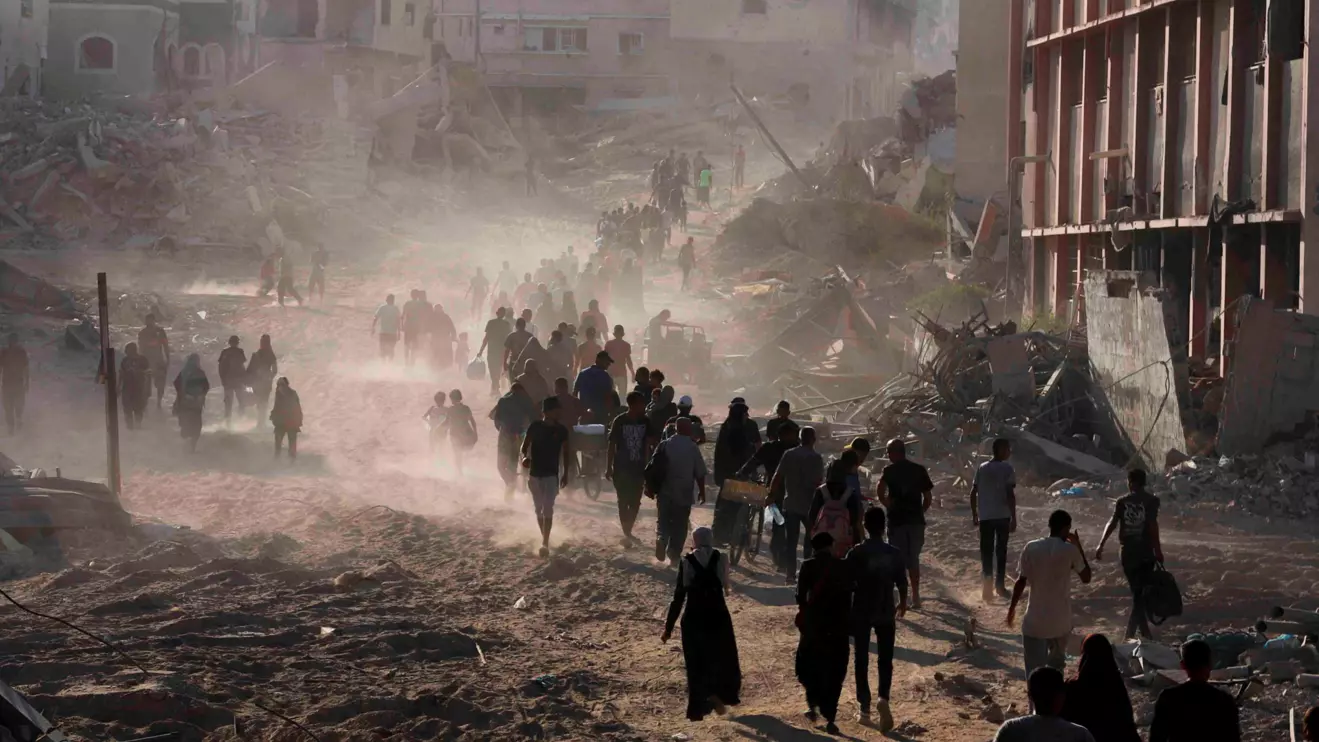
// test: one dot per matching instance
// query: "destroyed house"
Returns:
(113, 48)
(1170, 138)
(837, 59)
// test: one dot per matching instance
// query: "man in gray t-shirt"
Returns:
(684, 471)
(1047, 692)
(800, 474)
(994, 512)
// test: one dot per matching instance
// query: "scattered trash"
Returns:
(521, 603)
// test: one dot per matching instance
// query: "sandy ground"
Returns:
(238, 615)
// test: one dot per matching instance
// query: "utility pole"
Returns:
(109, 377)
(476, 34)
(770, 137)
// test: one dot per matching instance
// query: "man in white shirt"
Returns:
(387, 317)
(1047, 565)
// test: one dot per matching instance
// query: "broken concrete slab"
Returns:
(10, 213)
(23, 292)
(31, 170)
(1272, 387)
(1074, 459)
(47, 184)
(1131, 331)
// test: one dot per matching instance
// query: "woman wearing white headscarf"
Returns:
(190, 389)
(709, 649)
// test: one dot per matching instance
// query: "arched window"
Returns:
(96, 53)
(192, 61)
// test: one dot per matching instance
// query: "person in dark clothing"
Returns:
(877, 570)
(190, 389)
(768, 456)
(906, 490)
(1310, 725)
(1196, 711)
(1047, 694)
(154, 345)
(1097, 697)
(687, 262)
(824, 600)
(630, 443)
(737, 442)
(642, 381)
(443, 336)
(709, 647)
(461, 425)
(492, 344)
(661, 409)
(14, 382)
(262, 368)
(782, 416)
(1136, 519)
(134, 385)
(233, 377)
(286, 417)
(547, 453)
(316, 283)
(512, 415)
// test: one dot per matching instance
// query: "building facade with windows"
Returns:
(24, 31)
(541, 55)
(838, 58)
(117, 48)
(1169, 137)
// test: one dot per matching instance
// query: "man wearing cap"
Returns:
(593, 386)
(905, 490)
(685, 410)
(547, 453)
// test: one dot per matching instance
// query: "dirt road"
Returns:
(368, 592)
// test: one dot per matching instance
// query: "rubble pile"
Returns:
(811, 236)
(904, 159)
(1275, 483)
(146, 177)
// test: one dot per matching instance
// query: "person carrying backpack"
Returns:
(836, 509)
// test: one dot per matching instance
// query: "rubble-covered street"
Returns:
(863, 270)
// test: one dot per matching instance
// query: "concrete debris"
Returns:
(1277, 482)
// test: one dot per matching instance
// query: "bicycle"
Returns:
(751, 498)
(591, 470)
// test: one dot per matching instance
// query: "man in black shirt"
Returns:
(877, 569)
(781, 418)
(769, 455)
(544, 447)
(906, 490)
(630, 443)
(1136, 519)
(1195, 711)
(233, 377)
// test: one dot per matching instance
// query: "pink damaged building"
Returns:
(541, 55)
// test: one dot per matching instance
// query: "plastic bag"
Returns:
(773, 516)
(476, 369)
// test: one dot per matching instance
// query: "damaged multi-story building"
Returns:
(1166, 136)
(836, 59)
(115, 48)
(1165, 182)
(540, 56)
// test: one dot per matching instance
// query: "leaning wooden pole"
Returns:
(770, 137)
(109, 377)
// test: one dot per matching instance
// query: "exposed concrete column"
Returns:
(1199, 304)
(1235, 268)
(1273, 280)
(1061, 273)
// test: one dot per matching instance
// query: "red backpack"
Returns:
(836, 520)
